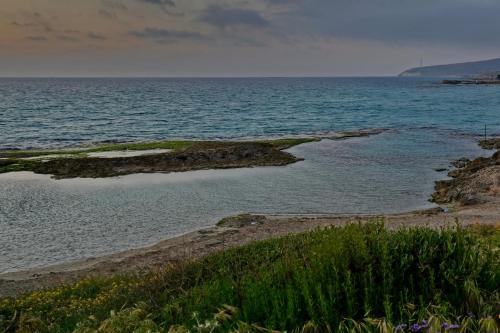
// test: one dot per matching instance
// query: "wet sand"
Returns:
(235, 232)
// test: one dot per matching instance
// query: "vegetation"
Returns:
(357, 278)
(72, 162)
(13, 165)
(289, 143)
(21, 160)
(80, 152)
(168, 144)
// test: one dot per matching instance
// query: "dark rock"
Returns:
(470, 200)
(430, 211)
(242, 220)
(493, 143)
(471, 81)
(460, 163)
(204, 155)
(473, 180)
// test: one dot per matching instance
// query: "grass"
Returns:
(168, 144)
(357, 278)
(175, 145)
(15, 160)
(15, 165)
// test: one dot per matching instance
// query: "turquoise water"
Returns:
(62, 112)
(45, 221)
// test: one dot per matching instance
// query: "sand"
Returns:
(217, 238)
(238, 231)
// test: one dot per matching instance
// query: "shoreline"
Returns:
(243, 229)
(233, 232)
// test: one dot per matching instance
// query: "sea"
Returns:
(45, 221)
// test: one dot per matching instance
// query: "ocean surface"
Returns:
(45, 221)
(61, 112)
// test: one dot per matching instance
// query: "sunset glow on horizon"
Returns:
(241, 38)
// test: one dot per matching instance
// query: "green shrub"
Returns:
(307, 282)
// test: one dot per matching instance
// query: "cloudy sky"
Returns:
(242, 37)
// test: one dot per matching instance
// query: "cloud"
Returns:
(66, 38)
(113, 5)
(37, 38)
(223, 17)
(72, 31)
(244, 41)
(111, 8)
(167, 36)
(457, 22)
(283, 2)
(165, 5)
(34, 21)
(107, 14)
(96, 36)
(169, 3)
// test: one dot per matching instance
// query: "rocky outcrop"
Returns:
(204, 155)
(242, 220)
(471, 81)
(493, 143)
(473, 183)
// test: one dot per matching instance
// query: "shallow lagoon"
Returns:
(45, 221)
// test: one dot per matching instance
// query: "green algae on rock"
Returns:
(195, 156)
(159, 156)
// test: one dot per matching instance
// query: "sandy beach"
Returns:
(236, 232)
(470, 197)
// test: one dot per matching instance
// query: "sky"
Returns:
(177, 38)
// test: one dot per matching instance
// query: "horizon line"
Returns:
(197, 77)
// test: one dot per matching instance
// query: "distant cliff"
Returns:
(483, 68)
